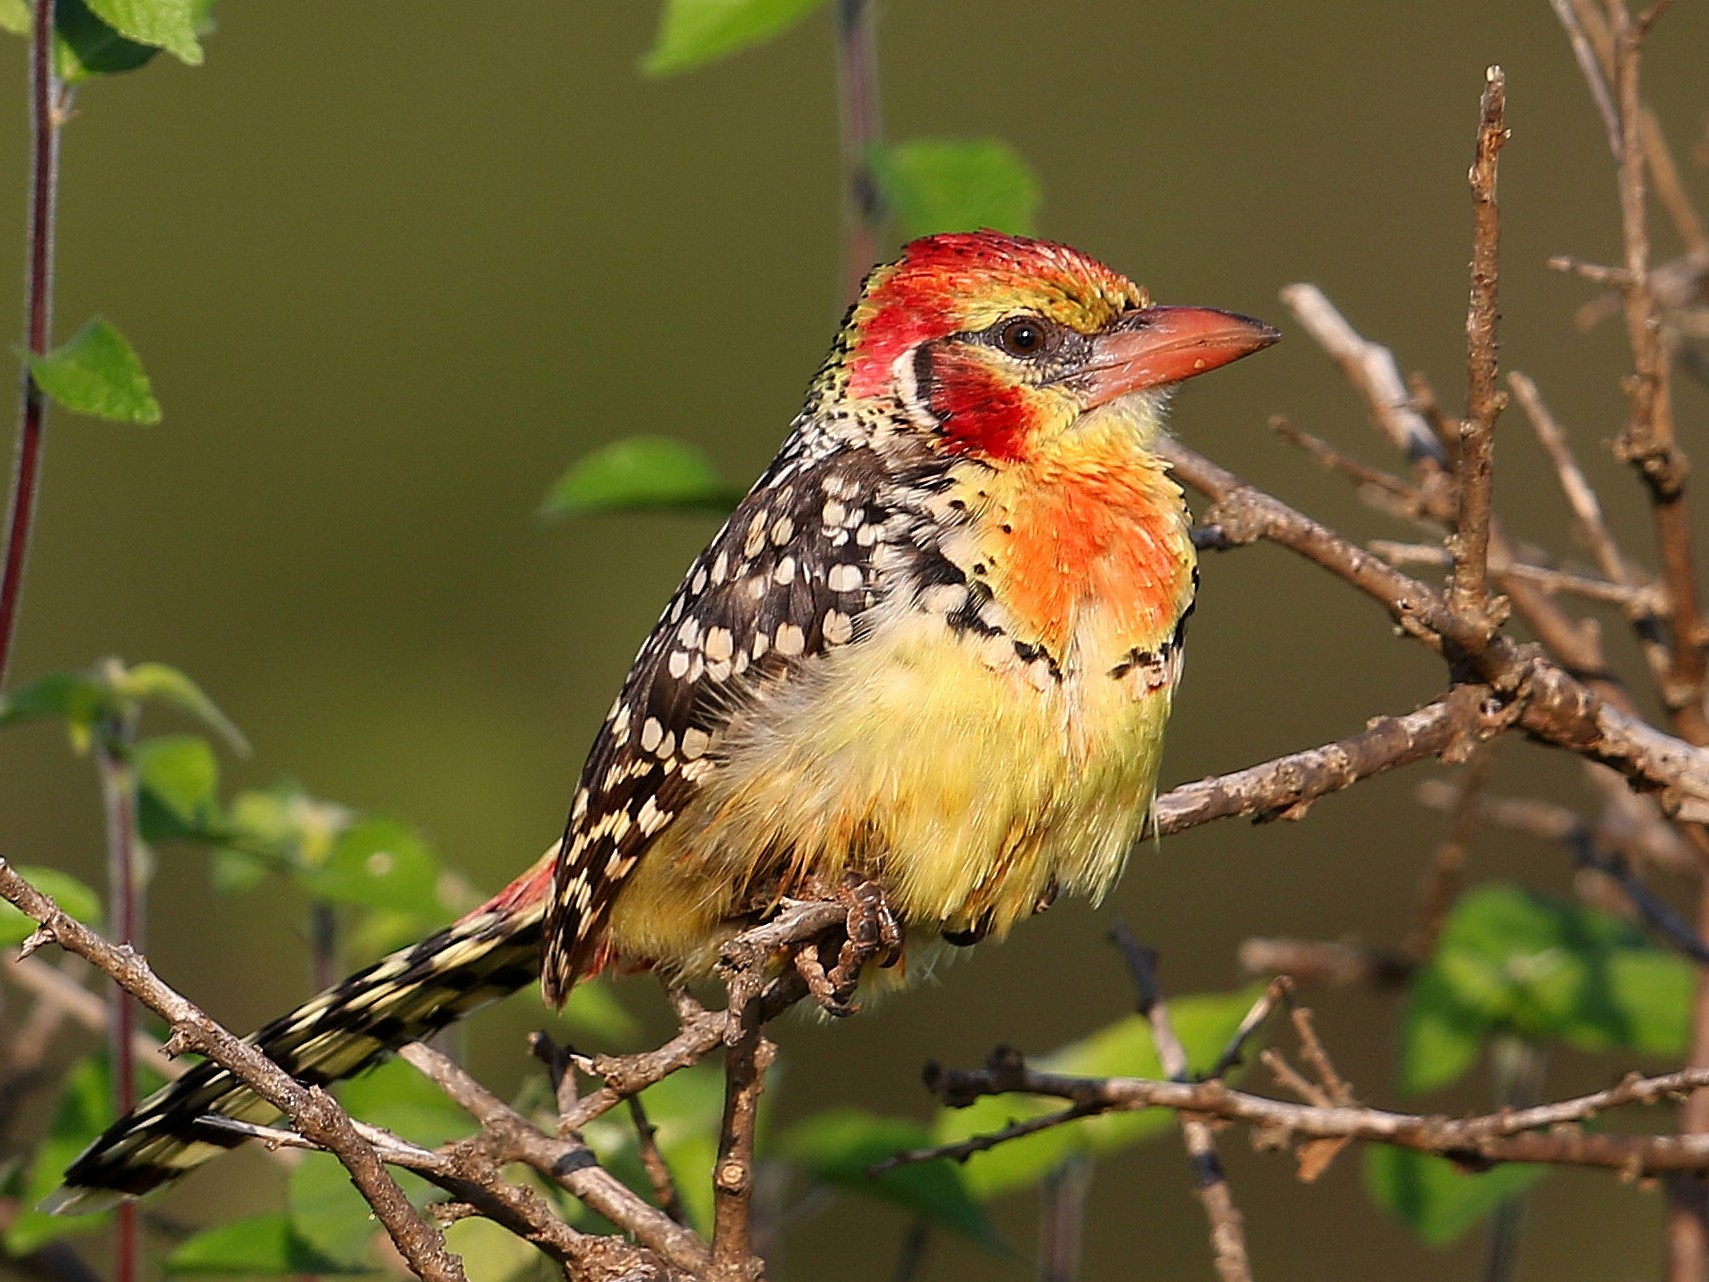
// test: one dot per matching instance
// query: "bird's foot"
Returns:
(871, 933)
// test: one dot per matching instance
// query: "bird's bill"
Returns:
(1153, 346)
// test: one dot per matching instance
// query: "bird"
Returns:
(930, 654)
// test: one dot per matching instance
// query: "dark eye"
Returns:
(1023, 337)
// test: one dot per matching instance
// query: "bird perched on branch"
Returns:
(925, 664)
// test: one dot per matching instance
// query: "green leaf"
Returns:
(692, 32)
(262, 1246)
(15, 17)
(162, 24)
(379, 863)
(84, 1109)
(942, 184)
(1544, 969)
(110, 690)
(168, 685)
(178, 784)
(839, 1147)
(638, 474)
(1435, 1198)
(78, 698)
(1205, 1023)
(72, 896)
(85, 47)
(97, 372)
(285, 827)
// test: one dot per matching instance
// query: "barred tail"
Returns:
(410, 994)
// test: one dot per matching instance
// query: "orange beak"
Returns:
(1157, 345)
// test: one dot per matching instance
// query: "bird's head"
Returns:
(998, 344)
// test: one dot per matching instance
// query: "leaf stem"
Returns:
(45, 96)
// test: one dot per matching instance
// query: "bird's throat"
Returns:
(1087, 546)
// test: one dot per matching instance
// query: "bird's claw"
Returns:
(870, 933)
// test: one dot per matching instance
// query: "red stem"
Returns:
(32, 414)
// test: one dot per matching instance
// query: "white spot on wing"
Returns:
(719, 644)
(843, 577)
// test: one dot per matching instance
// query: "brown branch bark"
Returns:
(1542, 699)
(746, 1061)
(508, 1136)
(1468, 584)
(1210, 1181)
(1285, 787)
(311, 1110)
(1647, 441)
(1549, 1133)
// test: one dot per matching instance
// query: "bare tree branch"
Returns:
(1546, 701)
(311, 1110)
(1210, 1181)
(1370, 368)
(1549, 1133)
(1468, 585)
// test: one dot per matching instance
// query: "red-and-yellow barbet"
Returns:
(933, 650)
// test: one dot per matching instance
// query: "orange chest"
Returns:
(1101, 548)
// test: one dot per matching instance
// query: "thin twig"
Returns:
(1550, 704)
(567, 1163)
(1548, 1133)
(745, 1064)
(1286, 786)
(1210, 1182)
(1062, 1219)
(1580, 494)
(1393, 494)
(1279, 990)
(1647, 442)
(1371, 369)
(961, 1150)
(1448, 862)
(653, 1162)
(1317, 1058)
(315, 1113)
(1317, 961)
(1591, 68)
(1642, 598)
(1468, 582)
(1518, 1069)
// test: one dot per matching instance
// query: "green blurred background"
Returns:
(393, 266)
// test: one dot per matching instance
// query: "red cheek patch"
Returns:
(980, 412)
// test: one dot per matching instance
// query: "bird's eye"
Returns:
(1023, 337)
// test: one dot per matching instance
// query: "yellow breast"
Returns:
(972, 771)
